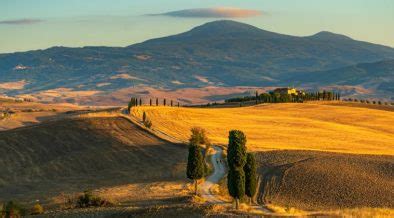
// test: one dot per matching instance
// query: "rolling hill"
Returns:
(220, 53)
(109, 155)
(309, 126)
(310, 180)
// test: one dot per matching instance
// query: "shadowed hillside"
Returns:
(85, 153)
(318, 180)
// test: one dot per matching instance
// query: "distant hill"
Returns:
(220, 53)
(377, 76)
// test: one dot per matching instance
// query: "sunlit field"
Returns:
(310, 126)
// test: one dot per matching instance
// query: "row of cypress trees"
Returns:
(241, 178)
(139, 102)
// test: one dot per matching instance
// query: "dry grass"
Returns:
(108, 155)
(364, 212)
(310, 126)
(28, 113)
(311, 180)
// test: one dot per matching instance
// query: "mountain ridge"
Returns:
(224, 53)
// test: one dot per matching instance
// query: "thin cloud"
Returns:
(21, 21)
(221, 12)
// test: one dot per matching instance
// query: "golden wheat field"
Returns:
(309, 126)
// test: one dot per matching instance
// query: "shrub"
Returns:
(12, 209)
(147, 123)
(199, 136)
(87, 199)
(37, 209)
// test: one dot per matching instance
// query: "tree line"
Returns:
(139, 102)
(273, 97)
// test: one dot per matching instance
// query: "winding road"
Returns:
(218, 173)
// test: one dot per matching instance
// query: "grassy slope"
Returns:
(109, 154)
(312, 180)
(334, 128)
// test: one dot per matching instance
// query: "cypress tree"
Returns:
(171, 103)
(178, 104)
(250, 176)
(164, 102)
(195, 165)
(157, 102)
(144, 116)
(236, 151)
(236, 159)
(140, 101)
(130, 105)
(257, 97)
(150, 102)
(236, 184)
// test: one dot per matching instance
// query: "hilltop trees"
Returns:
(250, 176)
(133, 102)
(299, 97)
(236, 159)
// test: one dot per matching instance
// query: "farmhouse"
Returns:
(288, 91)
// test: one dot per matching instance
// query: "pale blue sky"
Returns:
(78, 23)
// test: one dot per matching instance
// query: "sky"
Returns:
(40, 24)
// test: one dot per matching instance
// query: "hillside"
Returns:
(325, 181)
(109, 155)
(309, 126)
(220, 53)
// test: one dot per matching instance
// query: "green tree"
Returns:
(236, 159)
(129, 106)
(199, 136)
(195, 165)
(157, 102)
(150, 102)
(143, 116)
(250, 176)
(236, 152)
(236, 184)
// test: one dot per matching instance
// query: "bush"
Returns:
(147, 123)
(12, 209)
(199, 136)
(87, 199)
(37, 209)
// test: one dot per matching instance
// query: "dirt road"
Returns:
(218, 173)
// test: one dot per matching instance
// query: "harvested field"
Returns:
(308, 126)
(310, 180)
(108, 155)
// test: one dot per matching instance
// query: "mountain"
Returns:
(220, 53)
